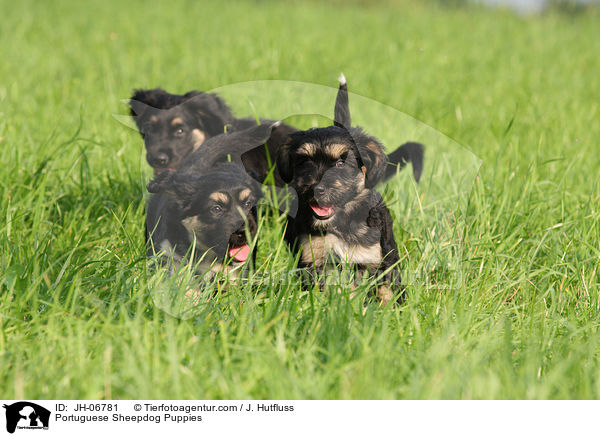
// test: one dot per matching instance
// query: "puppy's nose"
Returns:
(160, 159)
(319, 190)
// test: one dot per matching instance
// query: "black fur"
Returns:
(215, 209)
(340, 216)
(173, 126)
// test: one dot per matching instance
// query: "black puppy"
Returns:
(341, 217)
(173, 126)
(211, 212)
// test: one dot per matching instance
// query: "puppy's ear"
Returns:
(211, 110)
(142, 100)
(162, 183)
(237, 143)
(182, 187)
(341, 112)
(374, 159)
(284, 161)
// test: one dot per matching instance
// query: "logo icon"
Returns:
(26, 415)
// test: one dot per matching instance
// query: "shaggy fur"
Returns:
(341, 218)
(211, 211)
(173, 126)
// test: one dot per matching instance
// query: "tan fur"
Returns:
(307, 149)
(198, 137)
(219, 196)
(351, 206)
(335, 151)
(170, 253)
(370, 255)
(315, 250)
(176, 120)
(193, 225)
(379, 155)
(385, 294)
(244, 195)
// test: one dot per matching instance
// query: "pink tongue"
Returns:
(240, 253)
(322, 211)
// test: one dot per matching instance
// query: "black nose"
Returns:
(160, 159)
(319, 190)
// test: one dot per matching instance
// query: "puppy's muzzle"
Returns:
(239, 250)
(159, 160)
(321, 206)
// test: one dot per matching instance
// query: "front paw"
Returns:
(391, 288)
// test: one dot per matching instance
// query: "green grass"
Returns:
(502, 277)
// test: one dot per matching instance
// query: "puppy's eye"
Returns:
(339, 163)
(216, 209)
(178, 131)
(248, 203)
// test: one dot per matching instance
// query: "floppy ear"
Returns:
(341, 112)
(182, 187)
(211, 110)
(237, 143)
(374, 159)
(284, 161)
(162, 183)
(144, 99)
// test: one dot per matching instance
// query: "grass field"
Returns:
(502, 278)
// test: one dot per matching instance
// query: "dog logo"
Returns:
(26, 415)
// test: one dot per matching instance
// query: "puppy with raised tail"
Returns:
(341, 218)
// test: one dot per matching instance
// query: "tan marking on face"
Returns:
(153, 119)
(360, 180)
(335, 151)
(198, 137)
(359, 200)
(307, 149)
(176, 120)
(245, 194)
(193, 225)
(220, 197)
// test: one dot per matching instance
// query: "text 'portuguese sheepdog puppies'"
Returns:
(341, 218)
(173, 126)
(206, 211)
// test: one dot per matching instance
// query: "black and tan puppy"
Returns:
(212, 212)
(207, 202)
(174, 125)
(341, 217)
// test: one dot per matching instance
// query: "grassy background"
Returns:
(514, 316)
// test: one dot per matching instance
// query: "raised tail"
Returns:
(341, 112)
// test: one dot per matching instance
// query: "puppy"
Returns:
(341, 217)
(198, 204)
(211, 212)
(173, 126)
